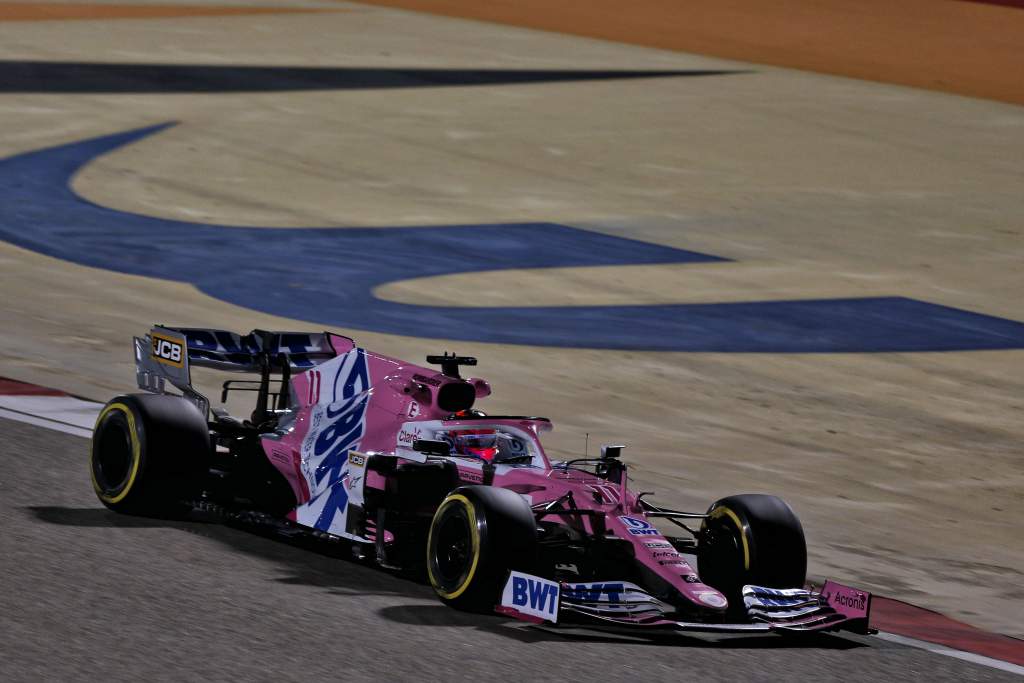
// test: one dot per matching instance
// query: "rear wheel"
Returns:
(751, 539)
(149, 453)
(477, 535)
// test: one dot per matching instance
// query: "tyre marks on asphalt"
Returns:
(34, 76)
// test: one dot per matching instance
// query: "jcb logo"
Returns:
(168, 351)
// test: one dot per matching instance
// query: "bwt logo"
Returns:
(596, 592)
(638, 527)
(538, 596)
(168, 351)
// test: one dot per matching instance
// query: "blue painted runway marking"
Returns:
(327, 275)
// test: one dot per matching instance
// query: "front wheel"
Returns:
(477, 535)
(751, 539)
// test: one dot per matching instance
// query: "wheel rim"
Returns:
(454, 547)
(720, 560)
(113, 462)
(453, 551)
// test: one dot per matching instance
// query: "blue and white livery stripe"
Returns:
(781, 602)
(335, 429)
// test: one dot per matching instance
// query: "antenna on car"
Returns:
(586, 444)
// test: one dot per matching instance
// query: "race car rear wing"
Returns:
(166, 355)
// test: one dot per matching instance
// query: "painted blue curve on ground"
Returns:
(327, 275)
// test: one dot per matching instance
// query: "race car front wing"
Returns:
(621, 604)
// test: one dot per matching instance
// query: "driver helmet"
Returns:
(480, 443)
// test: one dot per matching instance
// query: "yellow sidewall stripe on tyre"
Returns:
(474, 534)
(136, 454)
(722, 510)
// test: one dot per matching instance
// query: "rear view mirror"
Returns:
(431, 447)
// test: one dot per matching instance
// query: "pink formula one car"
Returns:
(395, 459)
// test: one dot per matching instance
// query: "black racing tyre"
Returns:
(477, 535)
(149, 453)
(751, 539)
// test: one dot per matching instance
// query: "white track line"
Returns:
(950, 652)
(75, 416)
(45, 422)
(61, 413)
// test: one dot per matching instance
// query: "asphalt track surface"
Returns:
(89, 593)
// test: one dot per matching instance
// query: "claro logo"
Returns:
(168, 351)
